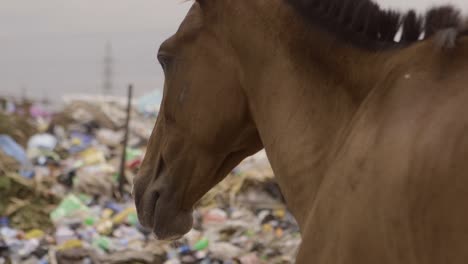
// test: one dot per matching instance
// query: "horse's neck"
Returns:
(303, 88)
(299, 128)
(301, 112)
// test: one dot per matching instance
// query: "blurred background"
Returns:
(52, 47)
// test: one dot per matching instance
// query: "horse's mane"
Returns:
(364, 24)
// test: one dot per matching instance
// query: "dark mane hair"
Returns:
(364, 24)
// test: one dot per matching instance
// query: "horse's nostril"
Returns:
(155, 196)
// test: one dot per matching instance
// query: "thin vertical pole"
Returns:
(122, 179)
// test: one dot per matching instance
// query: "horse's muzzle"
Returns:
(157, 206)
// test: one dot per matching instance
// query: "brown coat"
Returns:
(368, 143)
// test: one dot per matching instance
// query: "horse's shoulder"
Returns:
(414, 118)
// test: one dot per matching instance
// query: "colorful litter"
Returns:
(60, 202)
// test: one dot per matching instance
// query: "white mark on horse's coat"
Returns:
(407, 76)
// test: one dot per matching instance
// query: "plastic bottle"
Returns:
(201, 244)
(184, 250)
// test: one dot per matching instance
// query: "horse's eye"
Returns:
(164, 60)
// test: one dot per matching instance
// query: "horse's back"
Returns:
(397, 191)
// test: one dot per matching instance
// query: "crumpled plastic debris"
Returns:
(9, 146)
(42, 141)
(109, 137)
(75, 164)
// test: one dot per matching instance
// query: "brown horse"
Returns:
(362, 113)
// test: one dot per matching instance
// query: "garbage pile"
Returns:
(60, 203)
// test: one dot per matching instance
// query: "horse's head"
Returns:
(203, 131)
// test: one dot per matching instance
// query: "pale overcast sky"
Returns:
(53, 47)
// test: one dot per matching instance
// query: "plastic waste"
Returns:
(132, 219)
(43, 260)
(109, 137)
(34, 234)
(172, 261)
(251, 258)
(64, 234)
(8, 233)
(42, 141)
(4, 221)
(122, 216)
(184, 249)
(114, 206)
(28, 247)
(37, 112)
(80, 141)
(89, 221)
(201, 244)
(70, 244)
(241, 221)
(87, 234)
(134, 164)
(224, 251)
(9, 146)
(94, 180)
(102, 242)
(133, 154)
(70, 207)
(215, 216)
(173, 257)
(93, 156)
(105, 227)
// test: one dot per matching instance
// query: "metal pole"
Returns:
(122, 179)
